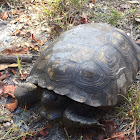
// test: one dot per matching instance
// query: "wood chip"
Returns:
(4, 66)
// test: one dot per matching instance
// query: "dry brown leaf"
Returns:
(4, 15)
(13, 71)
(23, 76)
(2, 77)
(4, 66)
(9, 90)
(29, 22)
(15, 12)
(35, 48)
(118, 135)
(16, 32)
(13, 65)
(138, 41)
(34, 38)
(93, 1)
(110, 126)
(31, 46)
(23, 18)
(12, 106)
(44, 132)
(49, 126)
(43, 41)
(84, 18)
(14, 50)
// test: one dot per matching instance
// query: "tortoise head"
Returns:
(53, 105)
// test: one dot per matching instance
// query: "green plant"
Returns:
(63, 12)
(68, 137)
(134, 99)
(129, 14)
(113, 17)
(15, 128)
(77, 3)
(137, 107)
(18, 62)
(1, 6)
(130, 111)
(52, 7)
(81, 138)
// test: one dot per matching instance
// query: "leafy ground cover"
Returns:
(29, 26)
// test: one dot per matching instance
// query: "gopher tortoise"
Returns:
(81, 74)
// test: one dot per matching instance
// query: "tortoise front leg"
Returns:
(53, 105)
(81, 116)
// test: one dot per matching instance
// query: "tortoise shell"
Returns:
(91, 64)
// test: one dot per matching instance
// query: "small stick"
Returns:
(13, 58)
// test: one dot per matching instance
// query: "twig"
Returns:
(13, 58)
(66, 133)
(135, 135)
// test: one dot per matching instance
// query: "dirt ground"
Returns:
(27, 28)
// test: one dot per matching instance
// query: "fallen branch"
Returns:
(13, 58)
